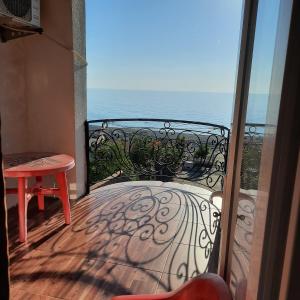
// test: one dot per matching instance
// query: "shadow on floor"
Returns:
(124, 238)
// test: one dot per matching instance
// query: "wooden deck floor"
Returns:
(126, 238)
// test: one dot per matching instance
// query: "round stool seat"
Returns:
(36, 164)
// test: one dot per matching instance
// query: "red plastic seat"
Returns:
(205, 287)
(25, 165)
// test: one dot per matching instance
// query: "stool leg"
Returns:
(61, 179)
(22, 209)
(41, 201)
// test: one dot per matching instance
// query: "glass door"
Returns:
(256, 122)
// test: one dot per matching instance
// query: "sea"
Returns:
(216, 108)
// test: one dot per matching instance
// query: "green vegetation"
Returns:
(250, 166)
(201, 152)
(144, 159)
(105, 160)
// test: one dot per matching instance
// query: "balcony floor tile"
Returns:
(125, 238)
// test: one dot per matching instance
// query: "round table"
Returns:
(25, 165)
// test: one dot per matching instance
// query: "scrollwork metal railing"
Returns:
(252, 147)
(157, 149)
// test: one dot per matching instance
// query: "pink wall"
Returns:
(50, 82)
(37, 89)
(13, 106)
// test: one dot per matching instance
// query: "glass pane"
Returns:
(261, 121)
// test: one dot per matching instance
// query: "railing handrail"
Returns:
(256, 124)
(171, 120)
(157, 120)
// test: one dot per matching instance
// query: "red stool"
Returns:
(25, 165)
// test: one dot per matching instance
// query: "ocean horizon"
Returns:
(208, 107)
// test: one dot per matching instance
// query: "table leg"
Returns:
(41, 201)
(22, 208)
(61, 179)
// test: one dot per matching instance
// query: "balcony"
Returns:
(149, 222)
(148, 211)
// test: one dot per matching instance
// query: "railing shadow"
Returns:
(149, 227)
(242, 247)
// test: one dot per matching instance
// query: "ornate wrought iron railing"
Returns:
(252, 147)
(157, 149)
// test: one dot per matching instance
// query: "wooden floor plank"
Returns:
(124, 239)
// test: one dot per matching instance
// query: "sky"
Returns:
(163, 45)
